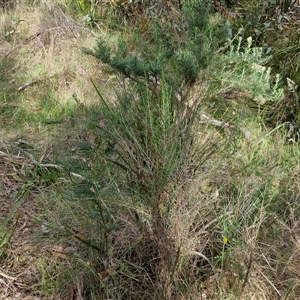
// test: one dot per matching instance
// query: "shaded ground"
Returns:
(24, 253)
(18, 271)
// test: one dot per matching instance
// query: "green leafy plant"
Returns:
(175, 51)
(267, 23)
(90, 10)
(148, 136)
(150, 125)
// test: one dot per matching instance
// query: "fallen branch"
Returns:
(227, 127)
(208, 119)
(53, 29)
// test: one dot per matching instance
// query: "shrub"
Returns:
(149, 142)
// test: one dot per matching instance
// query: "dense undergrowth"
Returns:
(161, 138)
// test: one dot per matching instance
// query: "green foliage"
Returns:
(176, 51)
(272, 26)
(150, 127)
(151, 133)
(138, 13)
(147, 135)
(6, 233)
(147, 151)
(244, 68)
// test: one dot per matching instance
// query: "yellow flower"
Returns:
(225, 240)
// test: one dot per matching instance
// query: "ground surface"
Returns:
(19, 274)
(26, 251)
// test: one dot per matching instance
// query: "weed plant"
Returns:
(148, 143)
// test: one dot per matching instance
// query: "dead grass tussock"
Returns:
(273, 271)
(258, 197)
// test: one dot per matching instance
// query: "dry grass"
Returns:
(42, 54)
(19, 274)
(47, 51)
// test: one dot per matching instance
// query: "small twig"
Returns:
(77, 175)
(26, 85)
(52, 29)
(201, 255)
(208, 119)
(270, 282)
(51, 166)
(7, 276)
